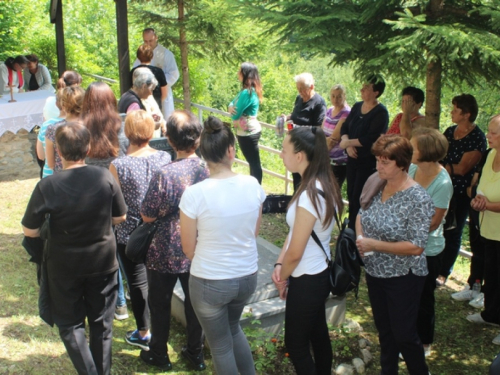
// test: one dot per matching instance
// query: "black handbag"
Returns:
(345, 268)
(139, 241)
(275, 204)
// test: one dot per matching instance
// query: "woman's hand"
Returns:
(365, 245)
(231, 110)
(281, 285)
(479, 203)
(344, 143)
(331, 142)
(352, 152)
(409, 106)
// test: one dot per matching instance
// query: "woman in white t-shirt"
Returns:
(301, 273)
(220, 219)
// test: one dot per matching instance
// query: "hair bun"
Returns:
(212, 125)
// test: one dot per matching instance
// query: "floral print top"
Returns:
(406, 216)
(134, 174)
(50, 133)
(162, 201)
(474, 141)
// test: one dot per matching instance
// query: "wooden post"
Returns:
(123, 52)
(61, 49)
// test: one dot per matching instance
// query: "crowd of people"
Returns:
(410, 192)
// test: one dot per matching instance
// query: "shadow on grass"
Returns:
(24, 332)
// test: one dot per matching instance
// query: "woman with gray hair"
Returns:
(143, 84)
(138, 97)
(309, 109)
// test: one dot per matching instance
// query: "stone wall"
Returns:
(17, 156)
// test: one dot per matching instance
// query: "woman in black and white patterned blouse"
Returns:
(392, 234)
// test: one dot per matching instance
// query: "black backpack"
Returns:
(345, 268)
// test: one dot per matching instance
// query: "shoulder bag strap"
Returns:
(315, 236)
(201, 168)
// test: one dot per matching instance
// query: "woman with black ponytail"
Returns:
(301, 273)
(220, 219)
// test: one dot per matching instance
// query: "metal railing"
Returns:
(101, 78)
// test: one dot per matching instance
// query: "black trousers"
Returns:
(356, 178)
(41, 164)
(249, 145)
(395, 303)
(491, 287)
(73, 300)
(305, 324)
(477, 249)
(453, 238)
(340, 173)
(137, 280)
(161, 288)
(426, 312)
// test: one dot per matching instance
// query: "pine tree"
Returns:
(443, 42)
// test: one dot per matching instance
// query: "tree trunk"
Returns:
(184, 56)
(433, 93)
(433, 76)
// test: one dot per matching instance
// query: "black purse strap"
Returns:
(315, 236)
(201, 168)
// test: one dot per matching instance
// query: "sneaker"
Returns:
(478, 319)
(478, 302)
(134, 338)
(197, 361)
(496, 340)
(427, 350)
(121, 312)
(152, 359)
(464, 295)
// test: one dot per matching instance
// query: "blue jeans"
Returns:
(120, 299)
(218, 304)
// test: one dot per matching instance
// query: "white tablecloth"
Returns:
(25, 113)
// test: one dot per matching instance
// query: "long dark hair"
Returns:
(100, 116)
(251, 78)
(312, 141)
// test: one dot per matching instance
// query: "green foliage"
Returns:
(268, 350)
(396, 37)
(343, 340)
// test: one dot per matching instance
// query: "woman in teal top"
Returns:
(243, 110)
(430, 146)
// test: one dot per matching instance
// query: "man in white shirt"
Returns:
(165, 60)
